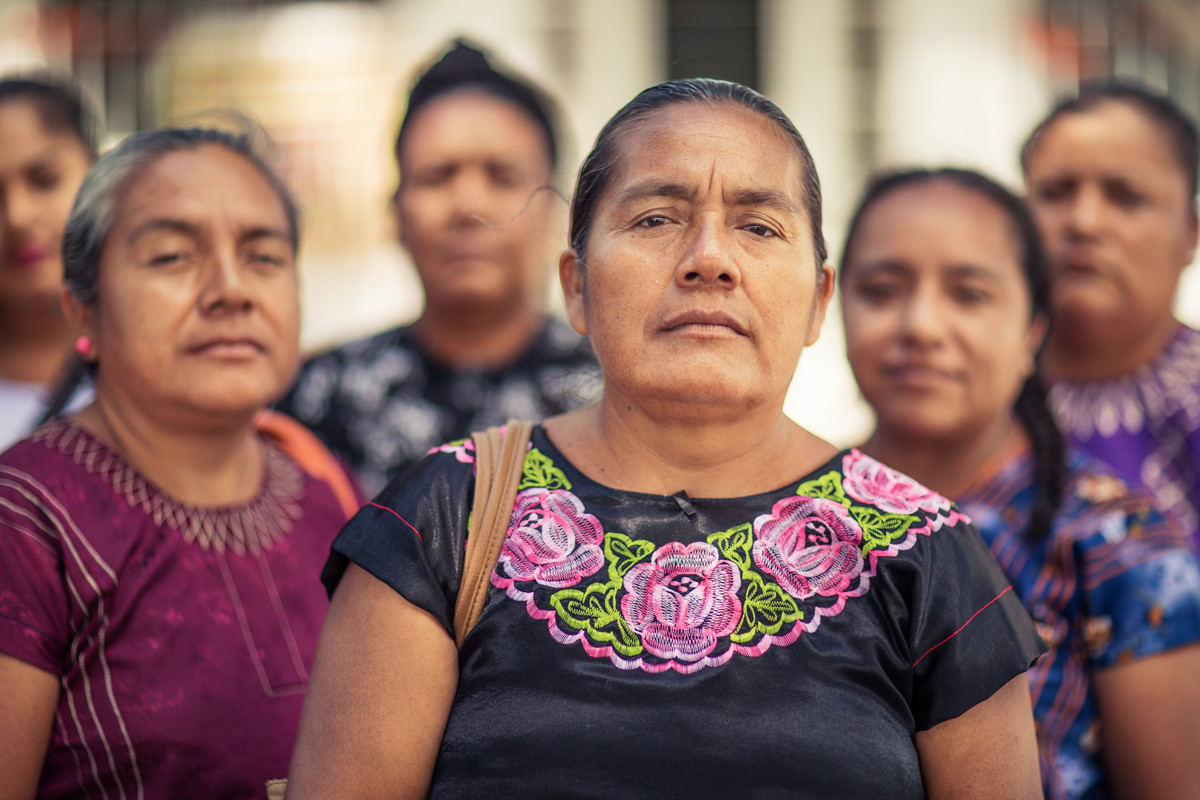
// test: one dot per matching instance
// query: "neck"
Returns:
(1076, 355)
(33, 346)
(728, 455)
(209, 467)
(948, 466)
(478, 340)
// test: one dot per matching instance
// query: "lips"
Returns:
(227, 346)
(700, 321)
(27, 256)
(917, 373)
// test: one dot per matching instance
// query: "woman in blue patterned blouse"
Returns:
(945, 297)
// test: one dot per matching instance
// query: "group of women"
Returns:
(695, 594)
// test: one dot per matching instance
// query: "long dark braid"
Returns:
(1032, 407)
(1049, 455)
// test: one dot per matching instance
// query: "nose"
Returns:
(226, 285)
(709, 257)
(1086, 212)
(924, 322)
(473, 200)
(17, 209)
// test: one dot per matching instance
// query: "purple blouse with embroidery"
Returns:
(789, 643)
(1145, 425)
(182, 637)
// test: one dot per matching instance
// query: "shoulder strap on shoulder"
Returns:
(313, 457)
(499, 461)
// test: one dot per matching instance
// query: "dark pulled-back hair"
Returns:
(1032, 407)
(59, 105)
(95, 210)
(597, 170)
(465, 66)
(1158, 108)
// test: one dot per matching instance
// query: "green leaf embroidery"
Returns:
(735, 545)
(765, 610)
(880, 529)
(539, 472)
(594, 611)
(622, 553)
(826, 487)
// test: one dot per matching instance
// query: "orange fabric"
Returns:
(306, 450)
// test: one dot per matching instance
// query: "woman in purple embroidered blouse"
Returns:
(696, 597)
(1111, 176)
(159, 607)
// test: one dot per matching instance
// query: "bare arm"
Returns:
(28, 697)
(990, 752)
(1150, 725)
(379, 697)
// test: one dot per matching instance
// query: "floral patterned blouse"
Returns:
(1112, 583)
(637, 645)
(381, 403)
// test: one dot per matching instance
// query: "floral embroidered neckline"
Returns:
(250, 527)
(1154, 391)
(685, 607)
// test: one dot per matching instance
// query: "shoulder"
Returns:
(873, 483)
(50, 458)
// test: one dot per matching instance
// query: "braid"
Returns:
(1049, 455)
(75, 375)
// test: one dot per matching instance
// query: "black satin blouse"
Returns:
(787, 644)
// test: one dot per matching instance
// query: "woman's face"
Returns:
(937, 312)
(468, 208)
(197, 316)
(700, 286)
(1112, 203)
(40, 171)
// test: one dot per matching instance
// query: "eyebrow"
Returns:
(188, 229)
(890, 266)
(677, 191)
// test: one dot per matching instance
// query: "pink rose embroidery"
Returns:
(552, 540)
(683, 600)
(810, 546)
(868, 481)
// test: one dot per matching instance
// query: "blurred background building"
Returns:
(870, 83)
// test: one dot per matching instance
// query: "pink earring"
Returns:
(83, 346)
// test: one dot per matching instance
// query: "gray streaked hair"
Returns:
(94, 212)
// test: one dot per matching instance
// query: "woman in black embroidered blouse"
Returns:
(695, 595)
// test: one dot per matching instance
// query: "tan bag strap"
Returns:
(499, 462)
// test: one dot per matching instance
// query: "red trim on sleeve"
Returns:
(960, 627)
(414, 530)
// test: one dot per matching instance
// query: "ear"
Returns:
(394, 208)
(570, 276)
(1193, 236)
(81, 318)
(821, 304)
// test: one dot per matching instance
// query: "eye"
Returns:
(652, 221)
(505, 177)
(268, 259)
(877, 292)
(430, 176)
(758, 229)
(1125, 196)
(166, 259)
(1051, 191)
(45, 180)
(971, 295)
